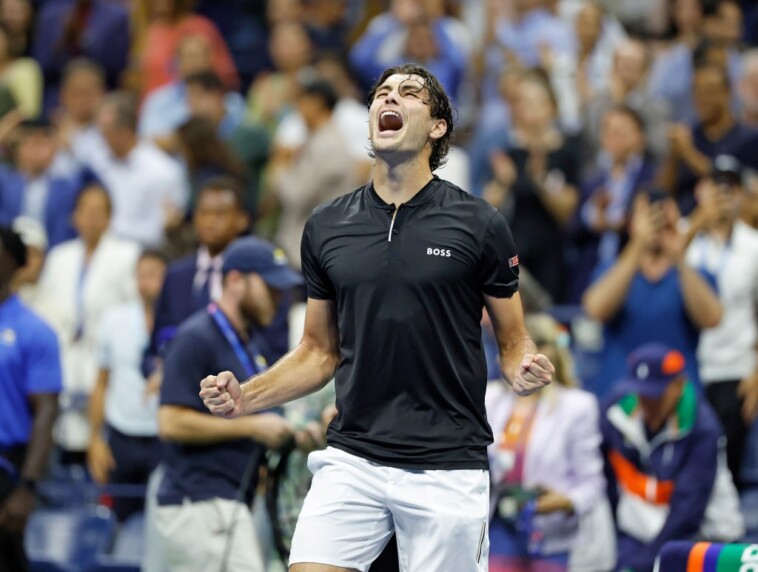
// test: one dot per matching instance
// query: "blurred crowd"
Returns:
(139, 139)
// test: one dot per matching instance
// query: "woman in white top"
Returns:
(546, 466)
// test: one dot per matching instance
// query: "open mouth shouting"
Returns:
(390, 122)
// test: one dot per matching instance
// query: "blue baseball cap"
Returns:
(651, 368)
(250, 255)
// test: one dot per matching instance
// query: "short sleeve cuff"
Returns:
(501, 290)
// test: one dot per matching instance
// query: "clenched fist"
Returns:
(534, 373)
(222, 395)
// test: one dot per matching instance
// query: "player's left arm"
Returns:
(523, 368)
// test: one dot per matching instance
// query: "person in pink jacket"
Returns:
(545, 464)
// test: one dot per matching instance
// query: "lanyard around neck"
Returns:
(252, 367)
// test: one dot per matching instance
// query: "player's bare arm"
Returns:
(304, 370)
(522, 367)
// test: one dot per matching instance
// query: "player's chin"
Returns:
(386, 141)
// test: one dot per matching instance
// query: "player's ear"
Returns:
(438, 129)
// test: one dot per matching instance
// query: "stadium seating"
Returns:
(707, 557)
(68, 539)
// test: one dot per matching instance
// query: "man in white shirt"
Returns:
(147, 187)
(728, 354)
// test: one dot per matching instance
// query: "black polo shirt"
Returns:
(412, 375)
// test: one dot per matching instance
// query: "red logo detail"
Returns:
(513, 261)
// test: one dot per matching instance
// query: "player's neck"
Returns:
(398, 183)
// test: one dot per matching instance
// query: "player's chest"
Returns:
(414, 247)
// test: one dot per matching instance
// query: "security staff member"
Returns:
(211, 465)
(30, 380)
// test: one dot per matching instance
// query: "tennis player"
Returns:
(397, 274)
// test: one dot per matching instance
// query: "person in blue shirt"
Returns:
(30, 380)
(211, 464)
(648, 294)
(431, 41)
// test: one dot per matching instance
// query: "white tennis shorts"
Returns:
(353, 506)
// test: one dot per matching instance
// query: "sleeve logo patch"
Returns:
(513, 261)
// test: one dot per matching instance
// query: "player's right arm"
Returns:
(304, 370)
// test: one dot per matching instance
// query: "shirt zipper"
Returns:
(392, 225)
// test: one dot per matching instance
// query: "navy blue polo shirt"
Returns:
(409, 295)
(201, 472)
(29, 364)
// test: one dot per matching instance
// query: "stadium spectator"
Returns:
(243, 27)
(32, 189)
(672, 76)
(17, 18)
(535, 183)
(607, 194)
(30, 379)
(318, 173)
(82, 91)
(206, 155)
(649, 293)
(727, 355)
(717, 132)
(123, 410)
(148, 191)
(248, 141)
(414, 31)
(212, 464)
(546, 467)
(627, 86)
(533, 36)
(748, 89)
(68, 29)
(327, 24)
(598, 36)
(272, 94)
(160, 27)
(22, 76)
(83, 278)
(531, 28)
(666, 478)
(350, 113)
(195, 281)
(167, 107)
(492, 131)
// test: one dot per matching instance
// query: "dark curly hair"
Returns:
(439, 107)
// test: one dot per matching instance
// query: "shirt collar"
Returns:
(206, 261)
(426, 193)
